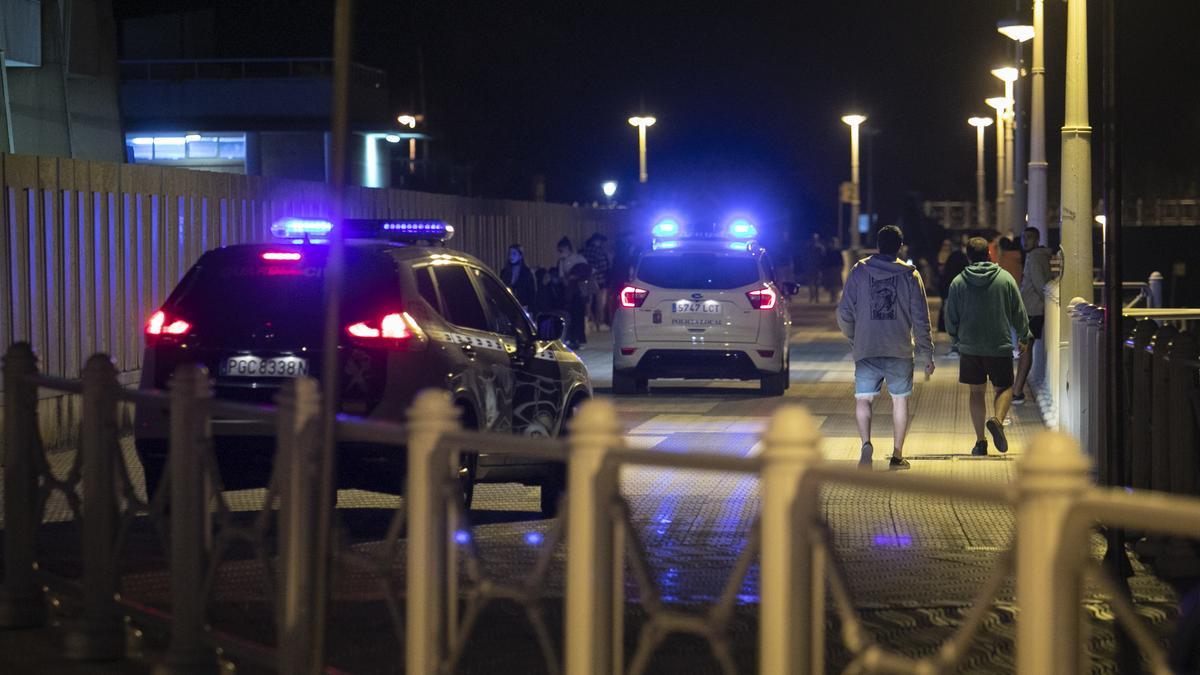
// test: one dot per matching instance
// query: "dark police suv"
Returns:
(415, 315)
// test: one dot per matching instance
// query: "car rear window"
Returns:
(229, 285)
(698, 270)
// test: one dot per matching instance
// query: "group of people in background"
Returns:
(820, 265)
(581, 287)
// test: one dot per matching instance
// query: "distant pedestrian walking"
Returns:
(832, 266)
(983, 310)
(884, 311)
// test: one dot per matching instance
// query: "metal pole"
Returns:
(190, 650)
(1037, 137)
(1076, 210)
(8, 124)
(297, 428)
(1010, 202)
(431, 416)
(855, 204)
(1116, 557)
(980, 177)
(1021, 148)
(1001, 216)
(21, 601)
(100, 634)
(642, 175)
(792, 624)
(591, 486)
(1050, 478)
(343, 23)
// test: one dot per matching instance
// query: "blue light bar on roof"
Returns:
(667, 227)
(740, 228)
(293, 228)
(399, 230)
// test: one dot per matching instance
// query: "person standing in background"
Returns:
(596, 253)
(519, 278)
(1033, 283)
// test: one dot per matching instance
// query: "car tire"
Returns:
(553, 487)
(775, 384)
(629, 384)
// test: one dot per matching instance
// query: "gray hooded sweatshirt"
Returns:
(883, 310)
(1034, 279)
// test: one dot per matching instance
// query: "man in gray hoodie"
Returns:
(983, 310)
(1033, 280)
(883, 311)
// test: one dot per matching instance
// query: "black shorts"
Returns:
(1036, 323)
(979, 369)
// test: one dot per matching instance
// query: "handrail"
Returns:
(1171, 313)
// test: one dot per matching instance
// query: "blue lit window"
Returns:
(178, 146)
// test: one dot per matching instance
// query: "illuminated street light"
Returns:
(1000, 104)
(391, 138)
(1014, 30)
(641, 122)
(410, 121)
(854, 121)
(1009, 75)
(980, 123)
(609, 187)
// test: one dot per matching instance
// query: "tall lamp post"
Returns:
(980, 124)
(642, 122)
(410, 121)
(1037, 124)
(854, 121)
(1019, 33)
(1000, 105)
(1012, 210)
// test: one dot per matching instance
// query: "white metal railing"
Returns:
(1055, 505)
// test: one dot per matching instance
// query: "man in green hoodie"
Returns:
(983, 310)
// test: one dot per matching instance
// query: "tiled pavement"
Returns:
(913, 563)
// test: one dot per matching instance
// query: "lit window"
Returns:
(204, 147)
(168, 147)
(233, 147)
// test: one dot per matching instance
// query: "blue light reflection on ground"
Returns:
(893, 540)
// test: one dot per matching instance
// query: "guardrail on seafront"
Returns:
(1055, 505)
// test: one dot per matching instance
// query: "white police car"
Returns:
(416, 315)
(703, 304)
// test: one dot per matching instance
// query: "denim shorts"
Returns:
(869, 375)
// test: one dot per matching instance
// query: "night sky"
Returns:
(747, 95)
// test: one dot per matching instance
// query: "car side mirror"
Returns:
(790, 288)
(551, 327)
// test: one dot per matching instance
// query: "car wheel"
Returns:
(776, 384)
(553, 487)
(629, 384)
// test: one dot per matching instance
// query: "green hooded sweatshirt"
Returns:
(983, 308)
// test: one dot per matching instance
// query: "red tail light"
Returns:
(632, 296)
(394, 326)
(281, 256)
(160, 323)
(763, 298)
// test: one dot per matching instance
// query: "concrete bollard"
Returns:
(792, 625)
(1050, 477)
(431, 416)
(100, 634)
(595, 432)
(21, 602)
(190, 650)
(296, 447)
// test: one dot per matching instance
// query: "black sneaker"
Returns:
(980, 449)
(997, 430)
(1018, 399)
(866, 455)
(898, 464)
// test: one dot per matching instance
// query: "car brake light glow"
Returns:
(158, 325)
(633, 297)
(393, 326)
(628, 351)
(763, 298)
(275, 256)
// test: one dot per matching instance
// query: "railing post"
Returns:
(792, 625)
(190, 650)
(588, 628)
(21, 601)
(101, 632)
(1050, 478)
(1156, 289)
(296, 475)
(431, 416)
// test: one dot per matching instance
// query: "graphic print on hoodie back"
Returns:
(883, 310)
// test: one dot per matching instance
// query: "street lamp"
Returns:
(641, 122)
(410, 121)
(980, 123)
(609, 188)
(854, 120)
(1000, 105)
(1020, 32)
(1012, 210)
